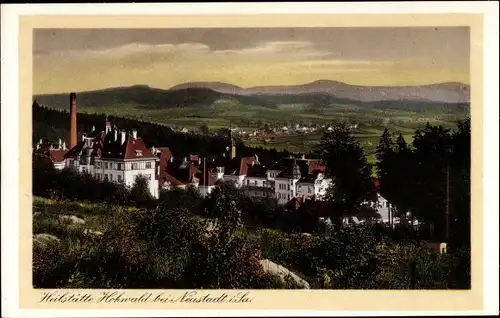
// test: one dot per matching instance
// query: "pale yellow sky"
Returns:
(86, 59)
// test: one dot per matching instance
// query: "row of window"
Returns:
(254, 183)
(283, 196)
(121, 166)
(282, 186)
(109, 177)
(308, 189)
(118, 178)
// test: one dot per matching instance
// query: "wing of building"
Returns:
(115, 155)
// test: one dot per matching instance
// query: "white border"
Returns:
(10, 136)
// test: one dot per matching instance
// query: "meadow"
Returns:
(225, 113)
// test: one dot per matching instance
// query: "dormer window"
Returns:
(138, 153)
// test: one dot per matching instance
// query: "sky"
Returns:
(67, 60)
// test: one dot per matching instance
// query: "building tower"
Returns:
(73, 127)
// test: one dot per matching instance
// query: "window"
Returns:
(105, 176)
(120, 179)
(288, 187)
(148, 165)
(149, 177)
(84, 170)
(308, 189)
(98, 164)
(134, 166)
(248, 182)
(105, 165)
(111, 177)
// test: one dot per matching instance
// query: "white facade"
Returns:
(121, 171)
(285, 189)
(255, 181)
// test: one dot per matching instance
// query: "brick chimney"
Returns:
(72, 114)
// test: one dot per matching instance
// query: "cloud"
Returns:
(298, 49)
(265, 50)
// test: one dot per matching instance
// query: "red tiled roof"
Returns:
(164, 155)
(136, 149)
(57, 155)
(105, 146)
(211, 179)
(183, 171)
(239, 165)
(170, 179)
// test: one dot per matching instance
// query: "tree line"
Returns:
(430, 178)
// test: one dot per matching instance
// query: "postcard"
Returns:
(226, 159)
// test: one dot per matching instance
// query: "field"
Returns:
(225, 113)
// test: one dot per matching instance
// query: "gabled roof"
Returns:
(238, 166)
(57, 155)
(105, 146)
(183, 171)
(167, 178)
(309, 168)
(164, 155)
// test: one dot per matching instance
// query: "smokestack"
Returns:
(93, 128)
(72, 113)
(124, 135)
(64, 145)
(134, 133)
(116, 135)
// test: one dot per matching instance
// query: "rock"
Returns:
(92, 232)
(282, 272)
(44, 240)
(73, 219)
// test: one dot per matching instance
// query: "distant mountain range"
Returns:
(451, 92)
(453, 97)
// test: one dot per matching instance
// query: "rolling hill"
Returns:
(147, 97)
(437, 97)
(450, 92)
